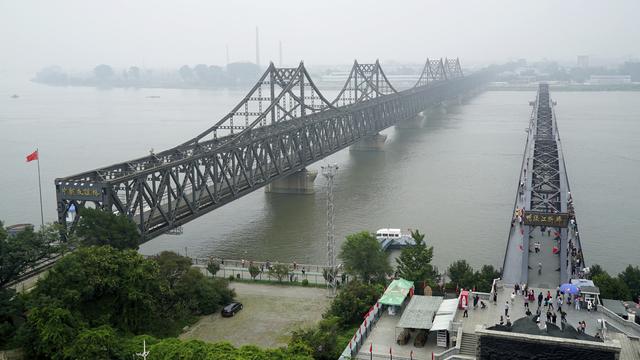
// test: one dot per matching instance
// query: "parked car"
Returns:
(231, 309)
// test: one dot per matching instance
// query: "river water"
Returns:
(452, 175)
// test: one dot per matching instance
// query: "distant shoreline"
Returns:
(237, 87)
(333, 86)
(579, 88)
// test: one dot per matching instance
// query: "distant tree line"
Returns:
(552, 71)
(198, 76)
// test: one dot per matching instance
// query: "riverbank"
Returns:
(270, 313)
(564, 87)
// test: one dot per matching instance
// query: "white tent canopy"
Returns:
(445, 314)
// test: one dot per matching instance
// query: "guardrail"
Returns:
(455, 350)
(352, 349)
(622, 322)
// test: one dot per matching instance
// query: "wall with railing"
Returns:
(352, 349)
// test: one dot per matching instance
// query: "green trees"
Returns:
(20, 252)
(279, 271)
(105, 286)
(414, 263)
(631, 277)
(332, 334)
(462, 275)
(213, 267)
(611, 287)
(101, 343)
(364, 258)
(484, 278)
(97, 227)
(254, 271)
(96, 295)
(170, 349)
(354, 301)
(626, 286)
(323, 339)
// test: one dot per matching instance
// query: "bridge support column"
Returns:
(370, 143)
(415, 122)
(298, 183)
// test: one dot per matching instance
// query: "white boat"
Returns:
(393, 239)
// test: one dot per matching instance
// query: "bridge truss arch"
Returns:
(282, 125)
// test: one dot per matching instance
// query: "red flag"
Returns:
(32, 156)
(371, 348)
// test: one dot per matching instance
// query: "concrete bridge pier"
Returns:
(415, 122)
(300, 182)
(370, 143)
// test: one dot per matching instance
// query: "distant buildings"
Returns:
(583, 61)
(609, 79)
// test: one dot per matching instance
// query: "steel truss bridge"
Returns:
(546, 205)
(281, 126)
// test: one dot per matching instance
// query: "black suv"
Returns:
(231, 309)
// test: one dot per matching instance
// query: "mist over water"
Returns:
(452, 175)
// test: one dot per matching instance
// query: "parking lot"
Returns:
(270, 314)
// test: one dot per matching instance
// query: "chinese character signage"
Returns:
(535, 218)
(71, 192)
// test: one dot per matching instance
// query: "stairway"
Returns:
(469, 344)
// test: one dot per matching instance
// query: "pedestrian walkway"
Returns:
(492, 313)
(543, 259)
(239, 269)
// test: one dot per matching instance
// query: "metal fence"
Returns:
(294, 276)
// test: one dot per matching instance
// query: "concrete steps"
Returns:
(469, 344)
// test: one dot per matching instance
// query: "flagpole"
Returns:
(40, 188)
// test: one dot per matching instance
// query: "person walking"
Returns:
(476, 298)
(540, 299)
(506, 308)
(577, 301)
(466, 313)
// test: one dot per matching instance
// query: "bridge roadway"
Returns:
(283, 125)
(544, 244)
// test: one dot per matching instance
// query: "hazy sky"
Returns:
(78, 34)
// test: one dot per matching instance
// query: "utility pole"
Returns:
(329, 172)
(144, 352)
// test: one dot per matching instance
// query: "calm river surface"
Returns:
(452, 175)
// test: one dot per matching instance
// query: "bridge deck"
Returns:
(542, 256)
